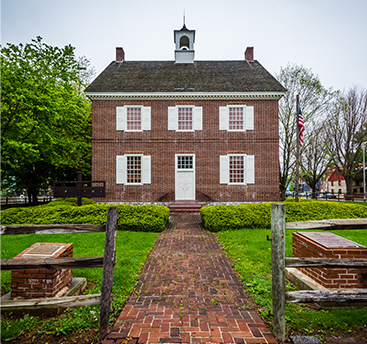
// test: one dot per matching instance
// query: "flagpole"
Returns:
(298, 142)
(364, 172)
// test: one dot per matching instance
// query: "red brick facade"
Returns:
(332, 278)
(41, 282)
(207, 145)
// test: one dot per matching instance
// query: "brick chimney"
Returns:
(249, 54)
(120, 55)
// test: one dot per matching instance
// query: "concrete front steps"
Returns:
(181, 207)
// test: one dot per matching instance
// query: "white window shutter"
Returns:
(250, 169)
(223, 118)
(145, 117)
(121, 115)
(224, 169)
(172, 118)
(198, 122)
(120, 169)
(249, 118)
(146, 175)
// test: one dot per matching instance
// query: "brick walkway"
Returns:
(188, 293)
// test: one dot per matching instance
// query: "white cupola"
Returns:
(184, 40)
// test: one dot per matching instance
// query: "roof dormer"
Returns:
(184, 40)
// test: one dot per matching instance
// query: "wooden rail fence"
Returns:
(279, 263)
(50, 229)
(107, 262)
(17, 202)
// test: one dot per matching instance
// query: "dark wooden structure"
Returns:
(80, 189)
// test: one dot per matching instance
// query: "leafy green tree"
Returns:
(347, 132)
(314, 99)
(46, 121)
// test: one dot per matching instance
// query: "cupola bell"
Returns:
(184, 40)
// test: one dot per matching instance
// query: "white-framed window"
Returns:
(185, 162)
(237, 169)
(133, 118)
(133, 169)
(185, 118)
(236, 118)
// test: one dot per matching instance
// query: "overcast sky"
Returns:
(327, 36)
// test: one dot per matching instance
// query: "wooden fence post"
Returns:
(278, 268)
(79, 187)
(109, 262)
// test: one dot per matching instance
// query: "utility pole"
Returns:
(297, 156)
(364, 172)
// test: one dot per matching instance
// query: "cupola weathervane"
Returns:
(184, 40)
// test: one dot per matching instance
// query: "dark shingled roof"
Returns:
(202, 76)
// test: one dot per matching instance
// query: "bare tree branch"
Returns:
(348, 129)
(314, 100)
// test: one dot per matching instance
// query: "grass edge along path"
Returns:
(132, 249)
(251, 256)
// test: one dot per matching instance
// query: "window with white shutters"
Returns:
(133, 169)
(133, 118)
(237, 169)
(185, 118)
(236, 118)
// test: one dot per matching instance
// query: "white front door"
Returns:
(185, 177)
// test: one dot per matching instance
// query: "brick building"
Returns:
(164, 131)
(336, 183)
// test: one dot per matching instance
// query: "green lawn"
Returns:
(252, 260)
(132, 249)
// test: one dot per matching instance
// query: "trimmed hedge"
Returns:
(72, 201)
(225, 217)
(146, 218)
(258, 215)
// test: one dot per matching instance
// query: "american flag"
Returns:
(301, 127)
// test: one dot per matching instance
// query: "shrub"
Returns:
(322, 210)
(147, 218)
(225, 217)
(72, 201)
(258, 215)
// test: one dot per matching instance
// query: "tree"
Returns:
(46, 123)
(347, 132)
(85, 74)
(314, 99)
(315, 157)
